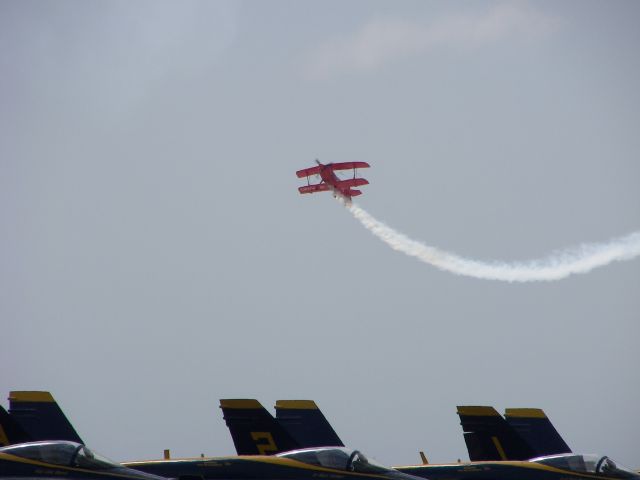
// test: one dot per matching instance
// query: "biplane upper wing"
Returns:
(348, 165)
(307, 172)
(320, 187)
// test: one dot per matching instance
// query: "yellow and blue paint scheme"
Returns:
(489, 437)
(61, 459)
(253, 429)
(306, 423)
(332, 463)
(40, 416)
(10, 431)
(535, 428)
(552, 467)
(298, 424)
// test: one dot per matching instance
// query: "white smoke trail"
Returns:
(581, 259)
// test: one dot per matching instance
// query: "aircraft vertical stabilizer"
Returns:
(306, 424)
(10, 431)
(537, 430)
(489, 437)
(253, 428)
(41, 417)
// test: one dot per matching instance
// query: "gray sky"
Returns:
(156, 256)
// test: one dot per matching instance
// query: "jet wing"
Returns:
(307, 172)
(320, 187)
(348, 165)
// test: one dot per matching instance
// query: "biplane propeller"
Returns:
(330, 181)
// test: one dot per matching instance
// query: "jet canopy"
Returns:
(67, 454)
(593, 464)
(337, 458)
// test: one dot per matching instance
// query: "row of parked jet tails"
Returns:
(297, 444)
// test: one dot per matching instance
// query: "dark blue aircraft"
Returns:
(34, 415)
(524, 433)
(567, 466)
(298, 424)
(61, 459)
(332, 463)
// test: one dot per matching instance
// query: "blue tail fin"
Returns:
(10, 431)
(306, 424)
(40, 416)
(489, 437)
(253, 429)
(537, 430)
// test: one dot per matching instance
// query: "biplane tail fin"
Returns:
(40, 416)
(253, 429)
(10, 431)
(537, 430)
(489, 437)
(306, 423)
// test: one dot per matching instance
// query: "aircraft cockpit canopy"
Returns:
(67, 454)
(593, 464)
(337, 458)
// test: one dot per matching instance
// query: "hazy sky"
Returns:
(155, 255)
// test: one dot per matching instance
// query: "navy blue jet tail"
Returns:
(537, 430)
(10, 431)
(253, 428)
(489, 437)
(306, 424)
(40, 416)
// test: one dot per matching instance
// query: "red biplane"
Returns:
(330, 181)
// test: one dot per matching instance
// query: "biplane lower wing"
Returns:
(352, 182)
(321, 187)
